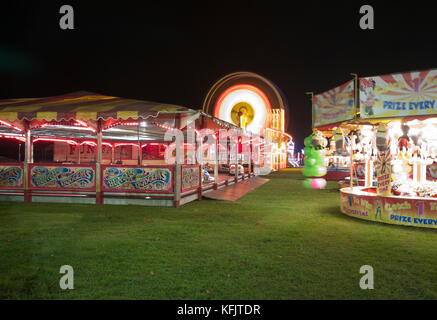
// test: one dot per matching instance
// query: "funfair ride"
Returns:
(254, 103)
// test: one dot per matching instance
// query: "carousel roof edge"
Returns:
(83, 105)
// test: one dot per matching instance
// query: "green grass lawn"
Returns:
(280, 241)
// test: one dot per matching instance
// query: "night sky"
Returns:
(173, 52)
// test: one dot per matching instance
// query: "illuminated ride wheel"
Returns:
(245, 99)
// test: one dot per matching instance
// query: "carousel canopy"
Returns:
(85, 106)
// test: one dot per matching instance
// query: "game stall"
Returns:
(395, 136)
(90, 148)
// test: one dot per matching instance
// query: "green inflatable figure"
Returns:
(314, 166)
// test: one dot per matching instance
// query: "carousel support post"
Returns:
(228, 151)
(140, 154)
(216, 162)
(242, 152)
(178, 163)
(200, 160)
(177, 174)
(99, 194)
(78, 153)
(236, 159)
(228, 155)
(27, 160)
(249, 165)
(140, 151)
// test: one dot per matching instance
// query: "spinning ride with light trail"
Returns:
(251, 101)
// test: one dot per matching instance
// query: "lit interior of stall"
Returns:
(12, 140)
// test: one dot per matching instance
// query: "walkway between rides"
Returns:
(236, 191)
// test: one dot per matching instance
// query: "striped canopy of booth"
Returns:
(84, 106)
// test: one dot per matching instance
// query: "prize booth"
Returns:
(392, 146)
(89, 148)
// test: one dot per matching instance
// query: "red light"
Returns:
(120, 123)
(14, 137)
(89, 143)
(130, 124)
(76, 123)
(7, 124)
(84, 124)
(71, 142)
(125, 144)
(163, 126)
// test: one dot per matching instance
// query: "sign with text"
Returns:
(396, 95)
(383, 173)
(11, 176)
(394, 210)
(62, 177)
(137, 179)
(335, 105)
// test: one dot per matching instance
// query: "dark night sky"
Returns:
(174, 51)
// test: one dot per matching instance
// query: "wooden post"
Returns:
(99, 194)
(27, 160)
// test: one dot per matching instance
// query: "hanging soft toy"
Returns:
(314, 165)
(354, 136)
(339, 142)
(404, 141)
(382, 138)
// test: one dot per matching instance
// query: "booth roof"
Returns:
(83, 105)
(375, 121)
